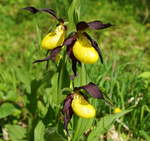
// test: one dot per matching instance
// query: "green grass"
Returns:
(126, 54)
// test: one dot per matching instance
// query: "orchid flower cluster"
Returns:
(81, 48)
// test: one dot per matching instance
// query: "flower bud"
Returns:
(117, 110)
(54, 39)
(84, 51)
(81, 107)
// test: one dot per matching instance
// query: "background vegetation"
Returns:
(125, 77)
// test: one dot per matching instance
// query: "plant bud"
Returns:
(117, 110)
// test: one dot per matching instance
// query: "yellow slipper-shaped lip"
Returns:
(54, 39)
(81, 107)
(84, 51)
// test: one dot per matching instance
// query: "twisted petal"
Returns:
(69, 42)
(47, 10)
(67, 111)
(31, 9)
(73, 59)
(53, 55)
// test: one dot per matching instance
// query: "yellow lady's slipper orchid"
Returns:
(84, 51)
(54, 39)
(81, 107)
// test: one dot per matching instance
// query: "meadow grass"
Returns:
(126, 53)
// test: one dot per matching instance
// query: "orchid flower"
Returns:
(53, 41)
(76, 103)
(81, 47)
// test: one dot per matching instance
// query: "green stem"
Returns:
(80, 122)
(83, 75)
(75, 136)
(60, 81)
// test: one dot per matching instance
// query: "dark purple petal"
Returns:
(98, 25)
(52, 56)
(67, 110)
(42, 60)
(93, 90)
(73, 59)
(70, 40)
(31, 9)
(47, 10)
(55, 52)
(50, 11)
(82, 26)
(67, 102)
(61, 21)
(74, 68)
(67, 117)
(95, 45)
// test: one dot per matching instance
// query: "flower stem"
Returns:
(60, 81)
(82, 75)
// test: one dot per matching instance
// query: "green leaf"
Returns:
(39, 132)
(104, 124)
(145, 135)
(52, 135)
(11, 95)
(24, 76)
(6, 109)
(73, 12)
(145, 75)
(82, 126)
(63, 78)
(42, 109)
(16, 132)
(51, 93)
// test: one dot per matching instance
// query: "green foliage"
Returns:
(39, 131)
(103, 125)
(29, 97)
(16, 132)
(6, 109)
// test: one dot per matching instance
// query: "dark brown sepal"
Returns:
(98, 25)
(81, 26)
(93, 90)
